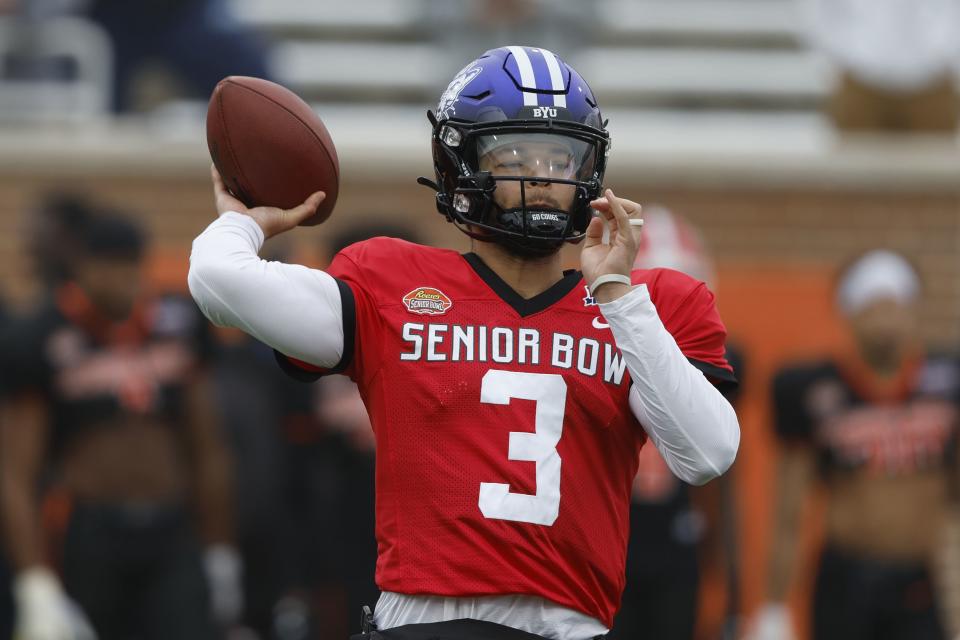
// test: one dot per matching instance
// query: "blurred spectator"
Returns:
(897, 60)
(258, 406)
(108, 440)
(6, 597)
(329, 482)
(6, 600)
(270, 420)
(474, 26)
(198, 41)
(52, 238)
(329, 489)
(50, 232)
(876, 429)
(682, 529)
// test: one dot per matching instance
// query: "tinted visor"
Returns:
(536, 155)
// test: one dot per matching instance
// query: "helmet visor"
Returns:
(536, 155)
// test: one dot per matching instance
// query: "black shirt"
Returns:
(89, 371)
(855, 422)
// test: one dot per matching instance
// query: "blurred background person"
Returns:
(678, 532)
(51, 245)
(199, 42)
(6, 600)
(52, 239)
(877, 430)
(897, 62)
(289, 488)
(329, 489)
(192, 43)
(109, 450)
(256, 409)
(6, 597)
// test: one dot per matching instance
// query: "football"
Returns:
(270, 147)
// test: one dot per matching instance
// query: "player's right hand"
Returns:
(272, 220)
(771, 622)
(43, 610)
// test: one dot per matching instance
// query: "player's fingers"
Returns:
(633, 211)
(603, 209)
(602, 204)
(620, 214)
(308, 208)
(594, 233)
(217, 180)
(632, 208)
(222, 199)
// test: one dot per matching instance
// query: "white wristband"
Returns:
(609, 277)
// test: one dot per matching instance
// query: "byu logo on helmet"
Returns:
(447, 105)
(544, 112)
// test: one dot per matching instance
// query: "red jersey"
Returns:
(506, 448)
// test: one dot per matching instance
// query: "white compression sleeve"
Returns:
(295, 310)
(687, 418)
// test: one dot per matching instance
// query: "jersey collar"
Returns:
(524, 306)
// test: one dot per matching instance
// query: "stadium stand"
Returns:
(57, 69)
(687, 53)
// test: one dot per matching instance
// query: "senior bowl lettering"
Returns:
(427, 301)
(434, 342)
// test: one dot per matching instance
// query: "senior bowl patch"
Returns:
(427, 301)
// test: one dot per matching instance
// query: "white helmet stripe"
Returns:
(556, 77)
(527, 79)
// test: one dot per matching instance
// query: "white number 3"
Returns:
(549, 391)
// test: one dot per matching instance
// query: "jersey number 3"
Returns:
(549, 391)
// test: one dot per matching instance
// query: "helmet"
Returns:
(519, 150)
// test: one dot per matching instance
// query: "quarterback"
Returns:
(509, 398)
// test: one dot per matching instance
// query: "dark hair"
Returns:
(66, 210)
(110, 235)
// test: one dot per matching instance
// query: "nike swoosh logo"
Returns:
(597, 324)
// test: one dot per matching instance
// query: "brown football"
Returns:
(270, 147)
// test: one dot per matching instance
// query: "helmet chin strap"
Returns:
(519, 247)
(527, 247)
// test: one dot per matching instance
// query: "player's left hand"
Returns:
(598, 258)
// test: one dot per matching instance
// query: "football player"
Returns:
(509, 398)
(105, 408)
(877, 430)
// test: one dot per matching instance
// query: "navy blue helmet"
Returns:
(519, 150)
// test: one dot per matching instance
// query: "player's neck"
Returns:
(527, 276)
